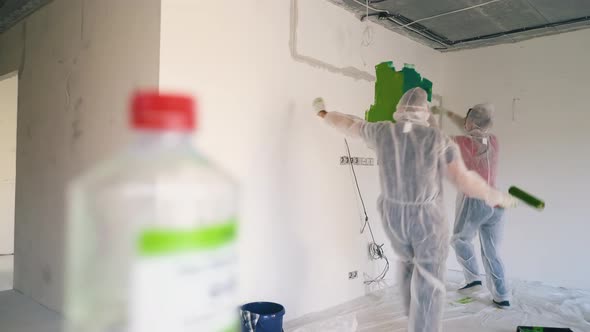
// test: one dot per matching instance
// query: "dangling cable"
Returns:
(367, 37)
(375, 250)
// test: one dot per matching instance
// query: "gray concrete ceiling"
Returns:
(12, 11)
(449, 25)
(445, 25)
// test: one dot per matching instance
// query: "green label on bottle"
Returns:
(157, 242)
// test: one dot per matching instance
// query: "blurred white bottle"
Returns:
(152, 232)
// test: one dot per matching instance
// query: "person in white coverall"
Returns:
(413, 160)
(479, 149)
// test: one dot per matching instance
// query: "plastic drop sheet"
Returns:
(533, 304)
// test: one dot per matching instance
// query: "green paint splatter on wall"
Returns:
(389, 88)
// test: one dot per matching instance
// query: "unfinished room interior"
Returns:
(294, 165)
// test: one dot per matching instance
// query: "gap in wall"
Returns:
(8, 121)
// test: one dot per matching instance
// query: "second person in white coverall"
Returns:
(414, 158)
(479, 149)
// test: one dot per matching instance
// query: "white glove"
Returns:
(318, 105)
(509, 202)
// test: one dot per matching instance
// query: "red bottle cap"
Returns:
(153, 110)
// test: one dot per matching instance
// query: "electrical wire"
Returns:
(390, 18)
(426, 18)
(376, 251)
(449, 13)
(367, 37)
(448, 44)
(372, 8)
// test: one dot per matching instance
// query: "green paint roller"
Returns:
(541, 329)
(527, 198)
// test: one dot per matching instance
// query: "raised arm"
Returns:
(348, 125)
(455, 118)
(458, 120)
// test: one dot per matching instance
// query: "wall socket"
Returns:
(353, 274)
(345, 160)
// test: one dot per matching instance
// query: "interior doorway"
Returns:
(8, 121)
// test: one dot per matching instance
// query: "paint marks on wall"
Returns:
(316, 32)
(389, 88)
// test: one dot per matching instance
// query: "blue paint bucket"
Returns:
(262, 317)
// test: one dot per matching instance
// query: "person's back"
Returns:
(480, 154)
(479, 148)
(411, 161)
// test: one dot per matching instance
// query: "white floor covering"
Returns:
(533, 304)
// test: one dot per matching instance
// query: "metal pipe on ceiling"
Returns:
(525, 29)
(390, 18)
(451, 12)
(432, 36)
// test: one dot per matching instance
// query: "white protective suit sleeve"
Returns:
(458, 120)
(349, 125)
(472, 185)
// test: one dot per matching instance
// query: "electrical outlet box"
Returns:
(357, 161)
(353, 275)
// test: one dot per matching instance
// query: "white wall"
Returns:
(300, 219)
(8, 101)
(544, 150)
(78, 61)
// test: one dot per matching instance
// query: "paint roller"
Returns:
(436, 107)
(527, 198)
(318, 105)
(541, 329)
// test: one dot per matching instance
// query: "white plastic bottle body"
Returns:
(152, 242)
